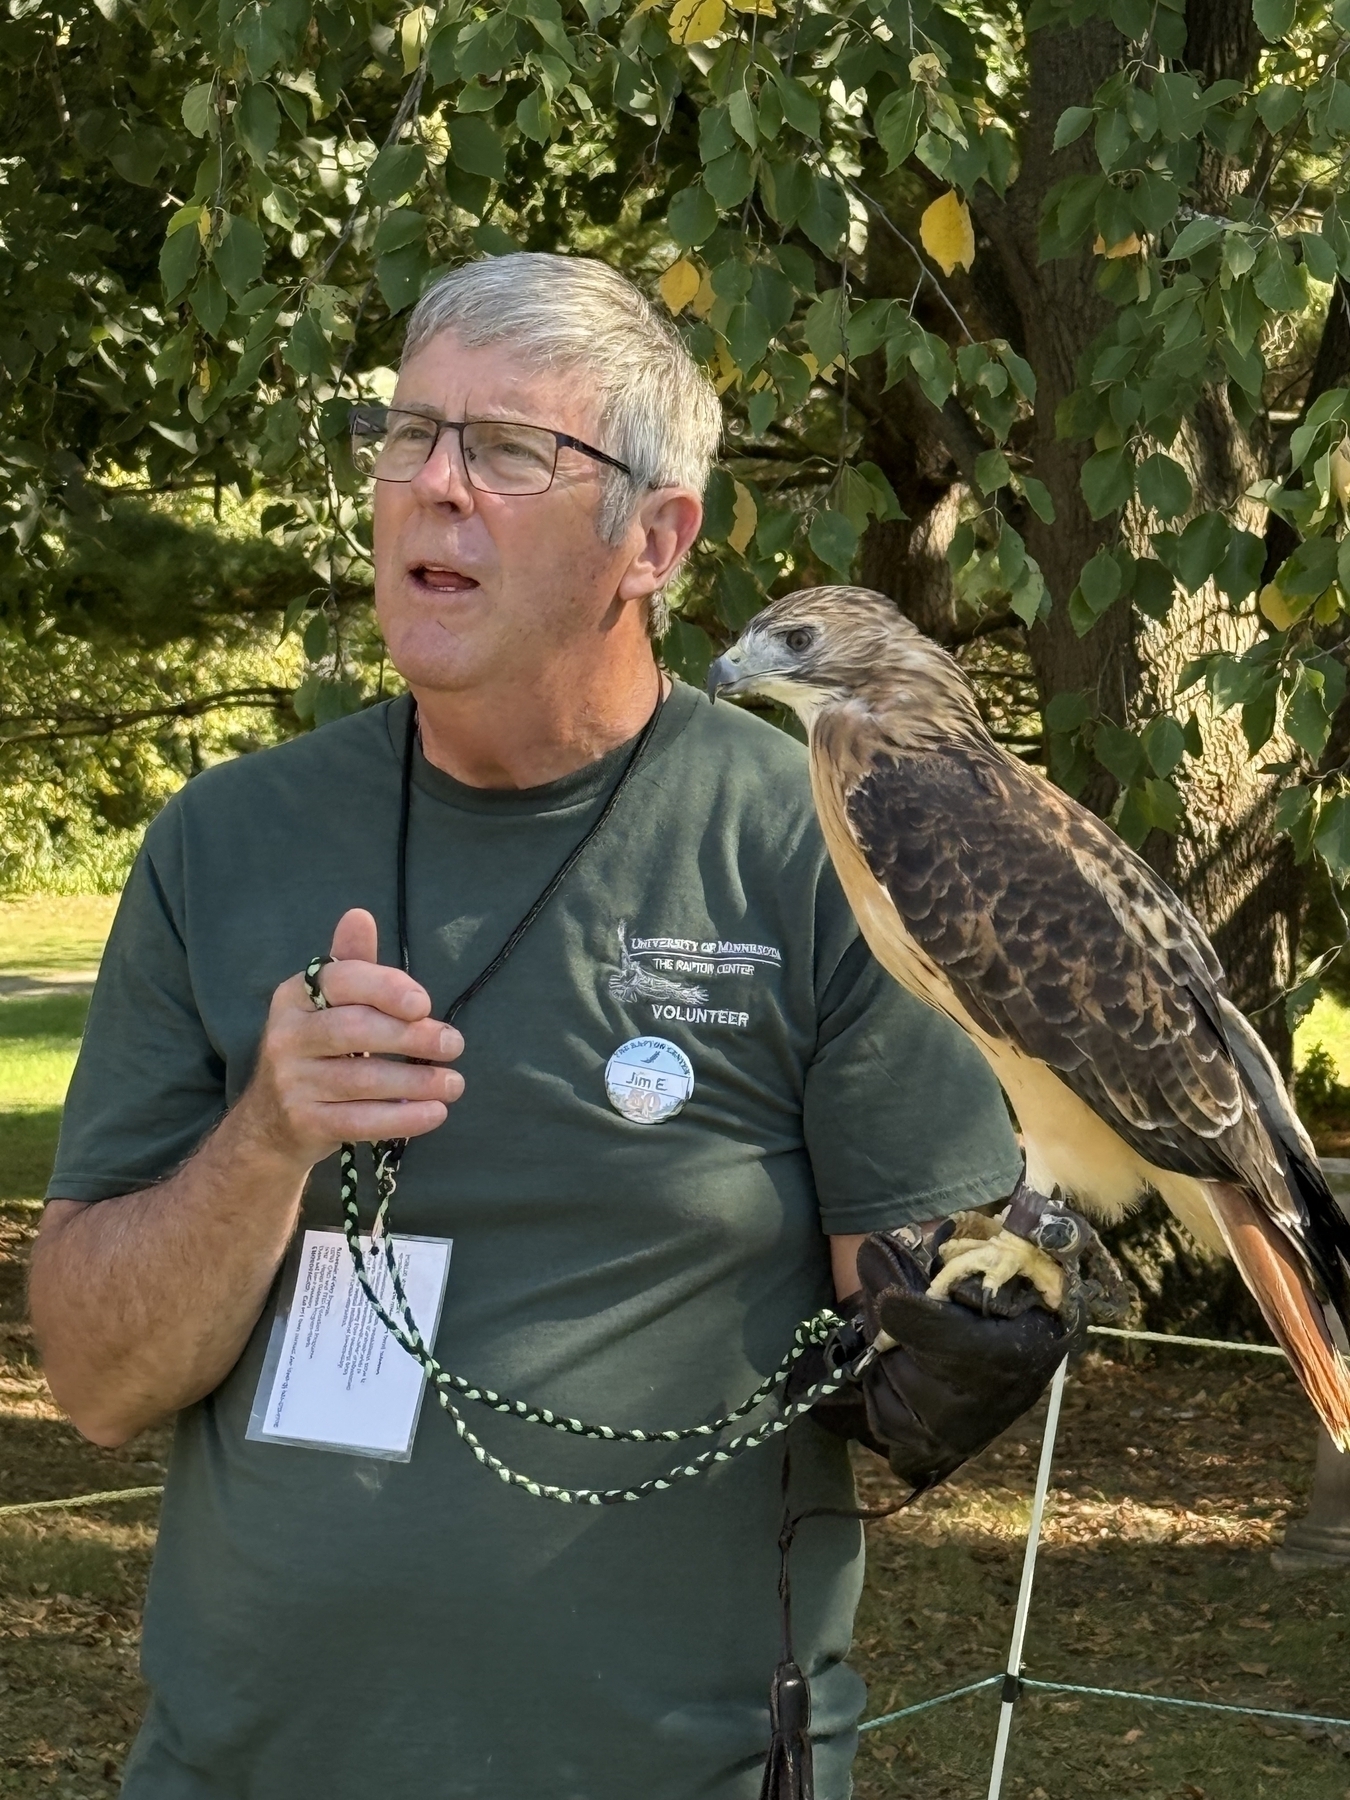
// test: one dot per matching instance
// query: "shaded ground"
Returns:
(1174, 1478)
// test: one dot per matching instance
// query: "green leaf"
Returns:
(476, 147)
(823, 327)
(137, 155)
(1119, 751)
(1306, 718)
(1038, 498)
(824, 218)
(1164, 485)
(1332, 839)
(209, 303)
(1030, 599)
(719, 503)
(1066, 712)
(405, 225)
(1318, 256)
(1100, 581)
(401, 274)
(786, 187)
(199, 113)
(992, 471)
(716, 135)
(748, 334)
(1200, 549)
(1073, 122)
(306, 349)
(1310, 570)
(801, 109)
(1164, 743)
(535, 116)
(318, 637)
(238, 258)
(177, 260)
(1279, 105)
(897, 122)
(691, 216)
(834, 539)
(730, 178)
(257, 122)
(1194, 237)
(1107, 481)
(687, 651)
(1239, 574)
(741, 112)
(1153, 588)
(1274, 18)
(396, 170)
(1280, 282)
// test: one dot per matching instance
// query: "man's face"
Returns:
(468, 584)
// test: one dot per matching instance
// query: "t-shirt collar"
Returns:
(577, 789)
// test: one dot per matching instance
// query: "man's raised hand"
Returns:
(324, 1078)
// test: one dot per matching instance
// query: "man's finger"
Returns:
(356, 937)
(387, 989)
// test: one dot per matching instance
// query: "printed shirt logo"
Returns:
(656, 970)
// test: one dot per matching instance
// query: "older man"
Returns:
(334, 1626)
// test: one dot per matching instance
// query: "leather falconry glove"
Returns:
(946, 1377)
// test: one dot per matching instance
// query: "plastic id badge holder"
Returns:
(333, 1378)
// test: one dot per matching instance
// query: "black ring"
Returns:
(312, 987)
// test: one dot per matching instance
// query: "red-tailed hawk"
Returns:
(1089, 988)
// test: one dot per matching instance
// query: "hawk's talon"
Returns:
(998, 1259)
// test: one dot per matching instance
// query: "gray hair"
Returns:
(659, 413)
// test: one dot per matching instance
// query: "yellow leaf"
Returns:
(1340, 472)
(705, 299)
(727, 369)
(1328, 608)
(413, 35)
(947, 233)
(812, 366)
(1129, 246)
(765, 8)
(926, 69)
(744, 518)
(679, 285)
(1276, 608)
(695, 21)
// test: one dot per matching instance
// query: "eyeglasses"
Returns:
(500, 457)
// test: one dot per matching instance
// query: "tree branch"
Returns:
(54, 727)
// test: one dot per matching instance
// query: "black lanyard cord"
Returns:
(550, 888)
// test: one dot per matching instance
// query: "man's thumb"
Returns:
(356, 937)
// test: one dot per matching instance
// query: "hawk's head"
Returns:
(829, 646)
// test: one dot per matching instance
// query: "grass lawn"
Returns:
(1173, 1481)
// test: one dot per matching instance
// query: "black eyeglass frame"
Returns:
(562, 440)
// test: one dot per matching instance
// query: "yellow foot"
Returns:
(998, 1258)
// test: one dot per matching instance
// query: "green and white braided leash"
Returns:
(809, 1334)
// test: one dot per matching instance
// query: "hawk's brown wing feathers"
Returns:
(1056, 938)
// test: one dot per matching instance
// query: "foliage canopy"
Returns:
(1051, 293)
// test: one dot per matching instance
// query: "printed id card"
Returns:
(333, 1378)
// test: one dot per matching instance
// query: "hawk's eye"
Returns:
(799, 639)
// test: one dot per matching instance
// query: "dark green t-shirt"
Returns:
(333, 1627)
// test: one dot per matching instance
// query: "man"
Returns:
(333, 1626)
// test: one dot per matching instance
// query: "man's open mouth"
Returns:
(440, 579)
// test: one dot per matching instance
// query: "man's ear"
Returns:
(661, 534)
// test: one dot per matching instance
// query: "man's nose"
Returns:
(443, 479)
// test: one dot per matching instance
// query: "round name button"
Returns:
(648, 1080)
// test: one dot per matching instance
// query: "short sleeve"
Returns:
(902, 1117)
(148, 1084)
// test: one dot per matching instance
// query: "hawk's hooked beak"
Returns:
(750, 661)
